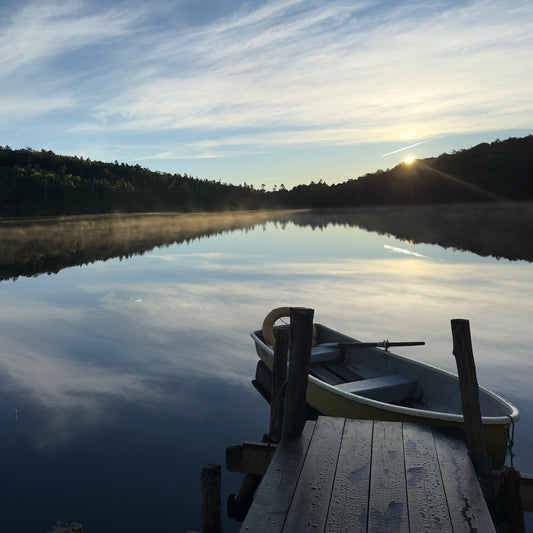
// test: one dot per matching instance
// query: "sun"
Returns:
(409, 159)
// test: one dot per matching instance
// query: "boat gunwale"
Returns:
(513, 416)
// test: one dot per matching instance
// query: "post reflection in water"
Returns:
(130, 367)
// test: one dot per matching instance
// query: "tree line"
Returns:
(37, 183)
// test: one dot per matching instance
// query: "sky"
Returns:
(264, 91)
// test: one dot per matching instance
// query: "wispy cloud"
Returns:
(48, 54)
(40, 31)
(337, 73)
(280, 74)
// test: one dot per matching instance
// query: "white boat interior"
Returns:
(351, 367)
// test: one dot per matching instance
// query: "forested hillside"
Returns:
(35, 183)
(502, 170)
(43, 183)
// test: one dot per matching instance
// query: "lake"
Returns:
(125, 356)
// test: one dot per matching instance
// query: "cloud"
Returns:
(337, 73)
(40, 31)
(14, 106)
(44, 63)
(280, 74)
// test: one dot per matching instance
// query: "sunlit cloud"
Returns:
(276, 74)
(240, 76)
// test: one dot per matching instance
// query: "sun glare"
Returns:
(409, 159)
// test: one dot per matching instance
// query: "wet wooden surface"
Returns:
(361, 475)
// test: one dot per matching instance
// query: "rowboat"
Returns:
(353, 379)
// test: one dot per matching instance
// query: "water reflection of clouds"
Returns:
(134, 353)
(73, 370)
(66, 391)
(74, 396)
(178, 257)
(13, 314)
(406, 296)
(398, 250)
(420, 290)
(197, 310)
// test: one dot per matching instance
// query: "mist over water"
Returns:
(129, 367)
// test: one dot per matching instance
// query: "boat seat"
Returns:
(389, 389)
(328, 351)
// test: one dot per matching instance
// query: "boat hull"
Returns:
(327, 400)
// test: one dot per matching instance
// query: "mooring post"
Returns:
(210, 482)
(466, 369)
(279, 378)
(239, 504)
(300, 355)
(510, 508)
(473, 427)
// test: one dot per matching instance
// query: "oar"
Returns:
(383, 344)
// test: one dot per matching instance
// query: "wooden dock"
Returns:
(341, 475)
(346, 475)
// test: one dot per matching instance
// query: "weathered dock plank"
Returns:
(274, 495)
(250, 457)
(348, 510)
(428, 508)
(362, 475)
(309, 507)
(468, 510)
(388, 495)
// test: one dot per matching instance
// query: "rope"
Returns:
(510, 441)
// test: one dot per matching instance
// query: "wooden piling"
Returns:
(295, 394)
(279, 378)
(473, 427)
(466, 369)
(210, 480)
(239, 504)
(510, 509)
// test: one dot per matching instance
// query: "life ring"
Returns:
(269, 321)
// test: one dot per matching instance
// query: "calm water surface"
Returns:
(120, 379)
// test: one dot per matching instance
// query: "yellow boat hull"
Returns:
(328, 402)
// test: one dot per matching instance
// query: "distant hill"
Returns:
(501, 170)
(36, 183)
